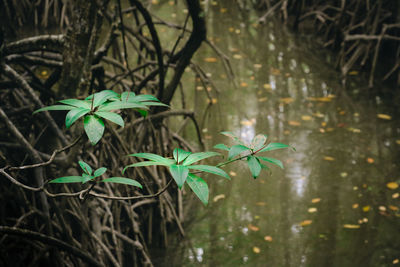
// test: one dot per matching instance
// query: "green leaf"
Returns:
(94, 128)
(125, 96)
(273, 161)
(222, 147)
(99, 171)
(154, 157)
(234, 137)
(111, 116)
(199, 156)
(180, 154)
(179, 173)
(142, 98)
(144, 163)
(86, 178)
(76, 103)
(74, 115)
(142, 112)
(274, 146)
(254, 166)
(154, 104)
(122, 180)
(258, 142)
(120, 105)
(102, 96)
(54, 107)
(236, 150)
(67, 179)
(199, 187)
(85, 167)
(210, 169)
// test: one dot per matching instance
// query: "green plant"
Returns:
(90, 175)
(180, 168)
(258, 145)
(99, 106)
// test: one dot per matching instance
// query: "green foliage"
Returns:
(181, 168)
(258, 144)
(99, 106)
(87, 176)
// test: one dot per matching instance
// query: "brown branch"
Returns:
(49, 240)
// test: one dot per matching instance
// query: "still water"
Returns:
(336, 202)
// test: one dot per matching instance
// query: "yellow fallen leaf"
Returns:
(306, 118)
(366, 208)
(268, 238)
(392, 185)
(218, 197)
(384, 116)
(237, 31)
(212, 101)
(382, 208)
(199, 88)
(248, 122)
(261, 203)
(315, 200)
(231, 29)
(354, 206)
(257, 66)
(353, 72)
(286, 100)
(253, 228)
(395, 195)
(294, 123)
(256, 250)
(394, 208)
(210, 59)
(223, 10)
(268, 86)
(370, 160)
(320, 99)
(232, 173)
(327, 158)
(398, 142)
(262, 99)
(395, 261)
(312, 210)
(343, 174)
(237, 56)
(351, 226)
(305, 222)
(243, 84)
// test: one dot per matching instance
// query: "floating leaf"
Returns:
(294, 123)
(122, 180)
(248, 122)
(253, 228)
(384, 116)
(261, 203)
(256, 250)
(353, 72)
(312, 210)
(305, 222)
(395, 195)
(355, 206)
(232, 173)
(351, 226)
(94, 128)
(218, 197)
(315, 200)
(268, 238)
(394, 208)
(306, 118)
(328, 158)
(398, 142)
(210, 59)
(370, 160)
(392, 185)
(366, 208)
(286, 100)
(199, 187)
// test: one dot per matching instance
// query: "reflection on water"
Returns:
(331, 205)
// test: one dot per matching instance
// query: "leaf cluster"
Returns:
(99, 106)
